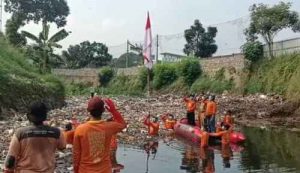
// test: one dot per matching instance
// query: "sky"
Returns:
(114, 21)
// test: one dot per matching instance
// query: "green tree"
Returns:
(87, 54)
(105, 75)
(40, 10)
(253, 50)
(164, 74)
(11, 30)
(199, 42)
(41, 51)
(133, 60)
(268, 21)
(190, 70)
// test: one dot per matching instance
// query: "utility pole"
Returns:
(156, 59)
(127, 44)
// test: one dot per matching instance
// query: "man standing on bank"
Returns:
(32, 149)
(91, 146)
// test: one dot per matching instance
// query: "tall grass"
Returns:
(21, 83)
(280, 75)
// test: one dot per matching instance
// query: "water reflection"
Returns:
(264, 151)
(226, 154)
(202, 159)
(150, 149)
(271, 150)
(190, 161)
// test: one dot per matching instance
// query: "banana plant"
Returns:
(43, 47)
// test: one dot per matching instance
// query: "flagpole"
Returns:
(148, 82)
(127, 43)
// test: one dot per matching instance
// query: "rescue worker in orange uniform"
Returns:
(202, 108)
(153, 126)
(169, 121)
(224, 134)
(191, 107)
(92, 140)
(210, 115)
(228, 119)
(69, 133)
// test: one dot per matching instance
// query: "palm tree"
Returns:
(42, 50)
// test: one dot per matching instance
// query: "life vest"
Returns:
(153, 129)
(69, 136)
(191, 105)
(169, 124)
(211, 108)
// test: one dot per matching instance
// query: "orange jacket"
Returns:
(190, 105)
(69, 136)
(224, 134)
(169, 124)
(91, 146)
(153, 128)
(211, 108)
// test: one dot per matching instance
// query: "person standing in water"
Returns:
(153, 126)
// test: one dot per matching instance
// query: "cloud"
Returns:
(110, 24)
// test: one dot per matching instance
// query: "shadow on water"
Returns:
(264, 151)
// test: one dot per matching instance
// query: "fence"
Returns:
(209, 66)
(84, 75)
(284, 47)
(229, 39)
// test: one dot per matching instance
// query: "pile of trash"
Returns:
(134, 109)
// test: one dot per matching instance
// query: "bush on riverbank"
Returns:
(21, 83)
(164, 75)
(279, 76)
(183, 77)
(205, 83)
(123, 85)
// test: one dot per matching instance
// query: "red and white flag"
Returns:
(147, 52)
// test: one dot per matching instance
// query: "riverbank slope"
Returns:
(21, 83)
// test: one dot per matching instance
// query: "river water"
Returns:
(265, 151)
